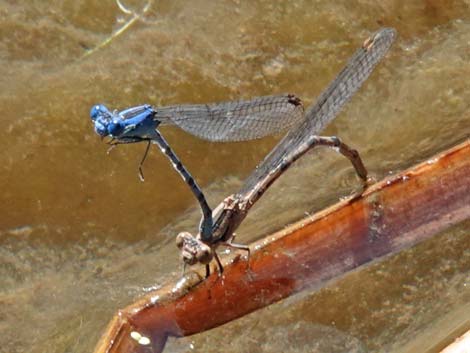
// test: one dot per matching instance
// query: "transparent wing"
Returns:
(328, 105)
(237, 120)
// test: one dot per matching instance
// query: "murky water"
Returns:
(81, 236)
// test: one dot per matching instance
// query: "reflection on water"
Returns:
(81, 236)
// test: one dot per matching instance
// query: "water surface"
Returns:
(81, 236)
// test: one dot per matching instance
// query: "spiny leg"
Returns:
(114, 142)
(208, 270)
(217, 259)
(111, 147)
(141, 172)
(246, 248)
(238, 247)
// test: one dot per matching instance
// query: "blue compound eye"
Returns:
(100, 129)
(115, 128)
(97, 111)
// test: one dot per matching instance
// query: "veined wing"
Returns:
(237, 120)
(328, 105)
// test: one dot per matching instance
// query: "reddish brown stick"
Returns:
(391, 215)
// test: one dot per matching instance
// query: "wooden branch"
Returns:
(391, 215)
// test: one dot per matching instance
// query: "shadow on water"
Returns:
(81, 236)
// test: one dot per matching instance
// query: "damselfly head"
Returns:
(101, 117)
(193, 250)
(106, 123)
(97, 110)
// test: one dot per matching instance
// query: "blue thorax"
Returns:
(133, 123)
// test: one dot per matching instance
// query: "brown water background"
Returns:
(81, 236)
